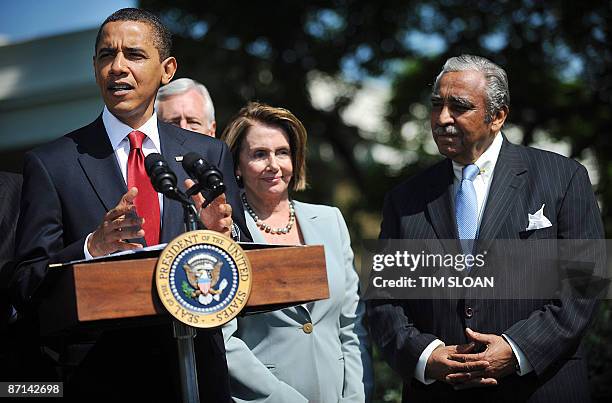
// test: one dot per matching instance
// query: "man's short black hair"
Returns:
(162, 38)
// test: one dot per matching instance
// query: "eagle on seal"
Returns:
(203, 275)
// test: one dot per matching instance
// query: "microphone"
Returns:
(209, 178)
(162, 177)
(164, 182)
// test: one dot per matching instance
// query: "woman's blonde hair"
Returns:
(255, 112)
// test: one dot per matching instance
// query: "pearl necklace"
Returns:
(265, 227)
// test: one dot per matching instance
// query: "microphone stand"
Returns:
(209, 194)
(183, 333)
(192, 221)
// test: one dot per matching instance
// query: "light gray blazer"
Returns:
(272, 359)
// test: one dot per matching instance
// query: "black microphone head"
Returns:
(209, 178)
(162, 178)
(152, 160)
(190, 162)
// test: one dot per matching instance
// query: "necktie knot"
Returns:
(136, 138)
(470, 172)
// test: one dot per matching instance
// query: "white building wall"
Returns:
(47, 89)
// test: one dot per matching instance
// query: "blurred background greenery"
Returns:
(359, 74)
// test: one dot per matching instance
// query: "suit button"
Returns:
(469, 312)
(307, 328)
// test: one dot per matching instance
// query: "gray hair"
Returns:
(181, 86)
(496, 91)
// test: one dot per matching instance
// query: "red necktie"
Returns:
(147, 203)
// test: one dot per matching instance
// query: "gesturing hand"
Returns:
(498, 353)
(217, 216)
(119, 224)
(440, 365)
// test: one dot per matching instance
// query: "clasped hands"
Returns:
(460, 366)
(122, 223)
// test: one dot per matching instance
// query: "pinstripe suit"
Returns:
(547, 331)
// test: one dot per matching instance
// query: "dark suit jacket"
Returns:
(19, 352)
(69, 184)
(547, 331)
(10, 191)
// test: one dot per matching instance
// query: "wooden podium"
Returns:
(123, 292)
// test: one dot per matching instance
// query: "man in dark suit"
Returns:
(474, 349)
(86, 195)
(10, 190)
(19, 352)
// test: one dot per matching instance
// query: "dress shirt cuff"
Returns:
(85, 250)
(419, 371)
(524, 366)
(13, 315)
(235, 232)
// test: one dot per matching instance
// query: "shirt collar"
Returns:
(117, 130)
(486, 162)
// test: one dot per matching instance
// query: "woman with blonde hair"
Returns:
(315, 352)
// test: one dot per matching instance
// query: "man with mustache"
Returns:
(486, 350)
(87, 194)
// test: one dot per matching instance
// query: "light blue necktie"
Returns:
(466, 209)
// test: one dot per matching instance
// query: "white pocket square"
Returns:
(538, 220)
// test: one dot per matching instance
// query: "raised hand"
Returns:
(217, 216)
(119, 224)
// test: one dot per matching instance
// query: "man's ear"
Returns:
(213, 128)
(499, 119)
(168, 69)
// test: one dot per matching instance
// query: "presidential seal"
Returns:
(203, 278)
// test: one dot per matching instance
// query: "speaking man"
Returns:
(79, 196)
(187, 104)
(486, 189)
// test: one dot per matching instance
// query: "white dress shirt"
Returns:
(117, 132)
(486, 163)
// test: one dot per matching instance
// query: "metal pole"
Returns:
(184, 336)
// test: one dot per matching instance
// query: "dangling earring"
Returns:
(239, 181)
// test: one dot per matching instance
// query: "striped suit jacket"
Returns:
(547, 331)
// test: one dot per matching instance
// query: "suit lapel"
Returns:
(100, 165)
(441, 208)
(440, 204)
(172, 145)
(307, 219)
(295, 313)
(507, 179)
(257, 235)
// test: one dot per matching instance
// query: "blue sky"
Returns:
(27, 19)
